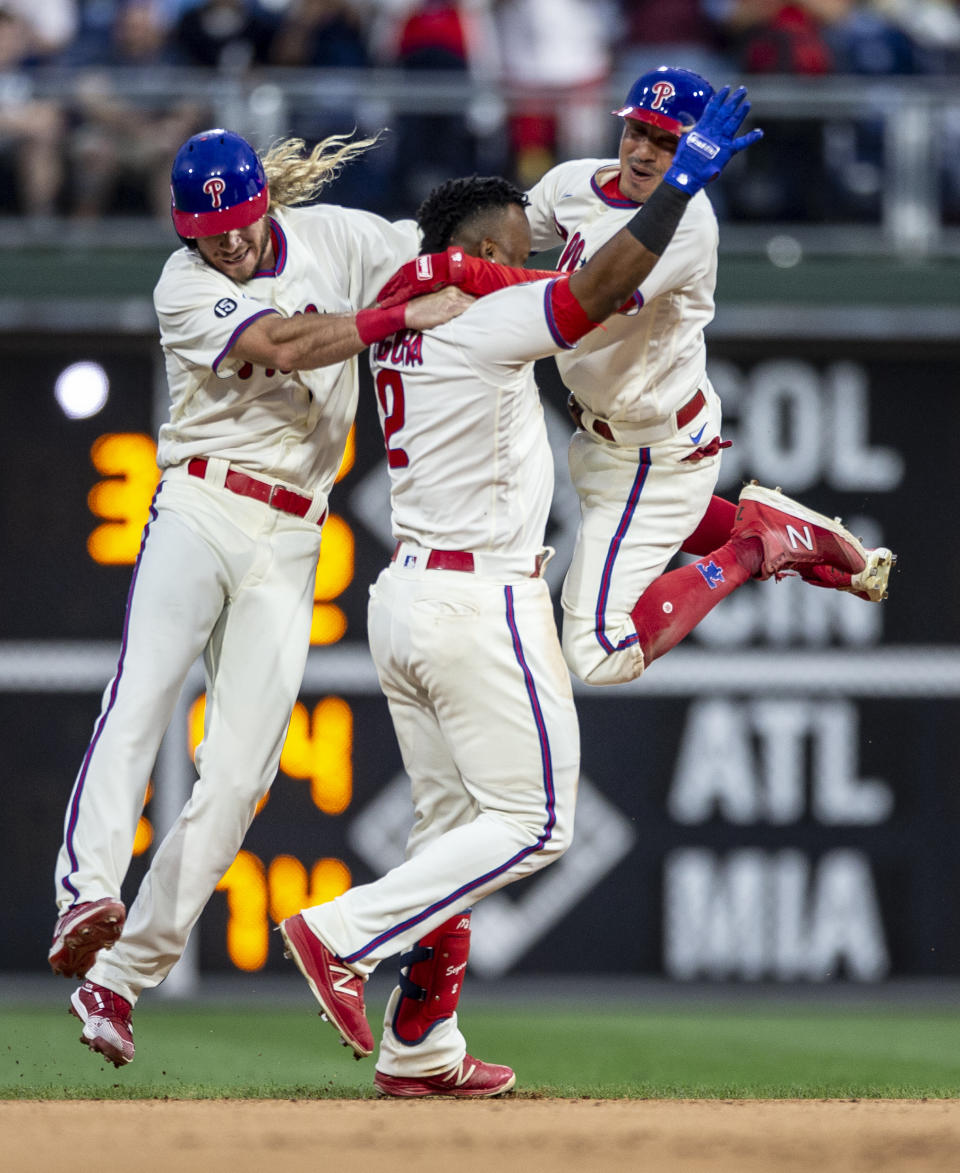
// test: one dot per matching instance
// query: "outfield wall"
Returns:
(775, 800)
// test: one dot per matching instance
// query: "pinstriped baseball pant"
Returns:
(232, 579)
(637, 505)
(483, 711)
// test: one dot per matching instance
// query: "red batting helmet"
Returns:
(217, 184)
(672, 99)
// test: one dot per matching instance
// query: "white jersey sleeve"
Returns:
(202, 312)
(369, 248)
(507, 329)
(551, 198)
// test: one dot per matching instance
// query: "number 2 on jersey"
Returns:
(390, 394)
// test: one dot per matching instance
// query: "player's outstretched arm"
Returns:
(307, 341)
(453, 267)
(611, 276)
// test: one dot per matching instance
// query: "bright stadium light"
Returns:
(82, 390)
(784, 251)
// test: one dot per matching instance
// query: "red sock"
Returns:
(674, 604)
(713, 530)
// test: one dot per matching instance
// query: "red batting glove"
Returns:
(423, 274)
(435, 270)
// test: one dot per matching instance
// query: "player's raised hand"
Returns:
(705, 150)
(433, 309)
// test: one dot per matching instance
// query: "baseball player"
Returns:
(645, 457)
(461, 623)
(260, 319)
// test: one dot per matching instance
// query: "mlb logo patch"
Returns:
(424, 268)
(224, 307)
(409, 560)
(711, 573)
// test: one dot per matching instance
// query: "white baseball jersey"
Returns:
(470, 464)
(647, 362)
(291, 426)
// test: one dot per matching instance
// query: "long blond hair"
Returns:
(297, 177)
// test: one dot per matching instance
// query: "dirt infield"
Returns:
(552, 1136)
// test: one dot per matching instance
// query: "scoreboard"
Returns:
(775, 800)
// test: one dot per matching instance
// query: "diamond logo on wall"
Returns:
(505, 926)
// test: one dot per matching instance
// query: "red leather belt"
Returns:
(691, 409)
(464, 560)
(445, 559)
(688, 411)
(276, 496)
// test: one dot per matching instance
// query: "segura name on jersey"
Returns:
(404, 349)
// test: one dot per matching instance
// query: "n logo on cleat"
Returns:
(458, 1077)
(342, 979)
(797, 539)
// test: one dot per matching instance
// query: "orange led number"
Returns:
(319, 748)
(334, 575)
(128, 461)
(257, 896)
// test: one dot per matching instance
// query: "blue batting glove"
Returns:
(705, 150)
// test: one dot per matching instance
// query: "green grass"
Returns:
(211, 1051)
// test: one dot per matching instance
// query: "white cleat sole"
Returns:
(873, 579)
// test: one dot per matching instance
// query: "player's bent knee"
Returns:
(558, 840)
(548, 852)
(549, 845)
(591, 660)
(558, 844)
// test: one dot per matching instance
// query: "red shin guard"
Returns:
(674, 604)
(431, 978)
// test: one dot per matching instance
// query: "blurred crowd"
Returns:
(95, 145)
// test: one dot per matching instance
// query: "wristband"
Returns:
(375, 325)
(654, 225)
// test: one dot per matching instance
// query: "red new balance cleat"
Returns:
(335, 986)
(107, 1028)
(870, 584)
(470, 1077)
(81, 932)
(793, 536)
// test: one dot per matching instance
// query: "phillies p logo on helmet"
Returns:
(663, 91)
(215, 188)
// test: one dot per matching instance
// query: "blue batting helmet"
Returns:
(672, 99)
(217, 184)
